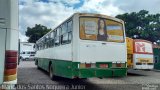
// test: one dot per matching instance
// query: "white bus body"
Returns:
(84, 58)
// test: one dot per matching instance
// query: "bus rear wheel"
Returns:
(51, 73)
(36, 63)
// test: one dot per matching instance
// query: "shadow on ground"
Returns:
(84, 84)
(29, 74)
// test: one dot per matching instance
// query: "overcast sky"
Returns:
(52, 12)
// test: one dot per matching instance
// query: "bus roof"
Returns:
(142, 40)
(156, 46)
(99, 15)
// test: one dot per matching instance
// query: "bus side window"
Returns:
(49, 40)
(70, 37)
(36, 46)
(70, 26)
(57, 41)
(59, 35)
(64, 28)
(40, 46)
(43, 44)
(66, 36)
(70, 29)
(53, 36)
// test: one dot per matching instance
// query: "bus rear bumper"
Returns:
(101, 73)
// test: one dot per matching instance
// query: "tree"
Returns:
(36, 32)
(142, 25)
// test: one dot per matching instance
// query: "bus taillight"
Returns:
(87, 65)
(103, 65)
(115, 65)
(10, 65)
(118, 65)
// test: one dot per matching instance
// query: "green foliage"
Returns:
(36, 32)
(142, 25)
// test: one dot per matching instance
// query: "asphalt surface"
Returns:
(29, 76)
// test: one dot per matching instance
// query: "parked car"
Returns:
(27, 55)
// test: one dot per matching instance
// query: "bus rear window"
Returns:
(100, 29)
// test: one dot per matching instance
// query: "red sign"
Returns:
(140, 47)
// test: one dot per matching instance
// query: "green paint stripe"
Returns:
(70, 69)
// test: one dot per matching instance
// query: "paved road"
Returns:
(136, 80)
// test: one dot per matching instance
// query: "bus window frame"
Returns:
(57, 36)
(52, 39)
(41, 43)
(122, 24)
(68, 32)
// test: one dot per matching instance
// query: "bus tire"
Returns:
(85, 79)
(51, 73)
(37, 65)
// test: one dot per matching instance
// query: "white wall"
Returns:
(24, 46)
(2, 53)
(8, 30)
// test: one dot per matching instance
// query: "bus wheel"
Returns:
(38, 67)
(85, 79)
(36, 63)
(51, 73)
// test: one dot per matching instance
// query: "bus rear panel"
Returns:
(100, 54)
(143, 54)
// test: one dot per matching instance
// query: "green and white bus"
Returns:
(8, 43)
(83, 46)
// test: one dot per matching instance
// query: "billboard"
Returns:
(100, 29)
